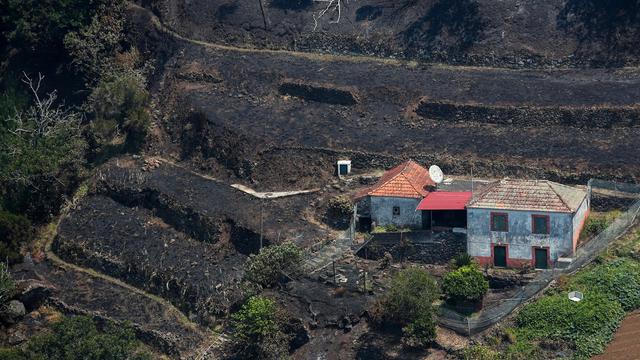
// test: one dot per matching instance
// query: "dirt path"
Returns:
(271, 194)
(625, 345)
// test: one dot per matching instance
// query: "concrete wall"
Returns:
(382, 211)
(579, 219)
(519, 239)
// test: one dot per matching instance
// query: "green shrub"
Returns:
(465, 284)
(420, 332)
(588, 324)
(7, 286)
(618, 280)
(118, 104)
(15, 230)
(267, 266)
(257, 333)
(80, 338)
(479, 352)
(461, 260)
(408, 305)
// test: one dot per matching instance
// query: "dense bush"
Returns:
(257, 332)
(465, 284)
(618, 280)
(118, 105)
(408, 305)
(588, 324)
(267, 266)
(15, 230)
(79, 338)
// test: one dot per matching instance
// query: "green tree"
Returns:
(40, 25)
(92, 47)
(267, 266)
(465, 284)
(43, 152)
(257, 331)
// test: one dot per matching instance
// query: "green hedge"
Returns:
(588, 324)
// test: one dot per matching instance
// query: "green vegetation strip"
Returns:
(555, 326)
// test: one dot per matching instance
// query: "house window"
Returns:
(499, 222)
(396, 210)
(540, 224)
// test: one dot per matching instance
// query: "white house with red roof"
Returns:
(395, 197)
(518, 223)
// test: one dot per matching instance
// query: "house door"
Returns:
(500, 256)
(541, 257)
(426, 219)
(344, 169)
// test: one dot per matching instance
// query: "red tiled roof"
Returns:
(445, 200)
(407, 180)
(533, 195)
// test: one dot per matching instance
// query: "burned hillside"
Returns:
(244, 121)
(485, 32)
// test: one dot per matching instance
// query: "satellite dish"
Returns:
(436, 174)
(576, 296)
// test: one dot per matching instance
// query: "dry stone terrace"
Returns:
(207, 209)
(201, 279)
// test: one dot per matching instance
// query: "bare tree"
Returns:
(332, 6)
(44, 118)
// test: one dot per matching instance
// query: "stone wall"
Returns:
(583, 117)
(412, 247)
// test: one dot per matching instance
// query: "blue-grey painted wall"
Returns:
(519, 238)
(382, 211)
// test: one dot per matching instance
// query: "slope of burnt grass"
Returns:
(385, 125)
(587, 117)
(508, 33)
(208, 209)
(201, 279)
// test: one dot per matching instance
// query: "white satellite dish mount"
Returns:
(436, 174)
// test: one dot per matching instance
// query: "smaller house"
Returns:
(395, 197)
(518, 223)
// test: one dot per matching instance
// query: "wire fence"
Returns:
(492, 314)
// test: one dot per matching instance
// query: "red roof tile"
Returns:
(407, 180)
(533, 195)
(445, 200)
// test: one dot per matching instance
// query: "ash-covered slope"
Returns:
(509, 33)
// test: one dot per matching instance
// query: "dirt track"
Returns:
(625, 345)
